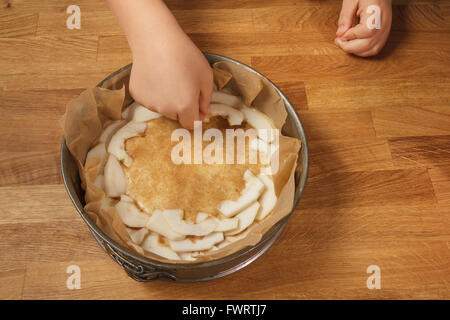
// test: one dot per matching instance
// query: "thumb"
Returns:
(346, 16)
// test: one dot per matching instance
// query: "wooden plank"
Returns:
(45, 49)
(12, 278)
(429, 263)
(334, 95)
(440, 177)
(424, 151)
(17, 25)
(102, 22)
(29, 168)
(388, 65)
(344, 125)
(349, 155)
(369, 188)
(36, 204)
(411, 121)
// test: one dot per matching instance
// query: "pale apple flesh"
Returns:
(152, 244)
(114, 178)
(250, 194)
(116, 146)
(225, 98)
(130, 214)
(158, 224)
(137, 235)
(234, 116)
(198, 244)
(246, 218)
(175, 220)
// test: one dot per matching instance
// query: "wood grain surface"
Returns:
(378, 128)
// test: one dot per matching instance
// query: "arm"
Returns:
(170, 75)
(360, 39)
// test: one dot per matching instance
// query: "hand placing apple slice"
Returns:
(221, 224)
(246, 218)
(116, 146)
(137, 236)
(234, 116)
(253, 189)
(196, 244)
(114, 178)
(130, 214)
(175, 220)
(262, 123)
(153, 244)
(225, 98)
(158, 223)
(268, 198)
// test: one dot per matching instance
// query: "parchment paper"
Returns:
(90, 112)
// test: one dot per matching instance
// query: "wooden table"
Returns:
(379, 135)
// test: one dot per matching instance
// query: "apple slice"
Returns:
(116, 146)
(262, 123)
(130, 214)
(99, 182)
(188, 256)
(268, 198)
(221, 224)
(152, 244)
(236, 237)
(114, 178)
(196, 244)
(225, 98)
(253, 189)
(246, 218)
(234, 116)
(137, 236)
(175, 220)
(158, 223)
(110, 130)
(99, 151)
(128, 111)
(142, 114)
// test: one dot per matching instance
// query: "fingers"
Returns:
(356, 46)
(188, 114)
(346, 16)
(359, 31)
(205, 100)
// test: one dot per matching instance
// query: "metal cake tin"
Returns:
(141, 268)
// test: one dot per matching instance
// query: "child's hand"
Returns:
(172, 78)
(361, 40)
(170, 75)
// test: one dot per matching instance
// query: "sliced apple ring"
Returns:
(253, 189)
(158, 223)
(268, 198)
(236, 237)
(221, 224)
(114, 178)
(262, 123)
(234, 116)
(196, 244)
(246, 218)
(137, 236)
(225, 98)
(153, 245)
(175, 220)
(130, 214)
(116, 146)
